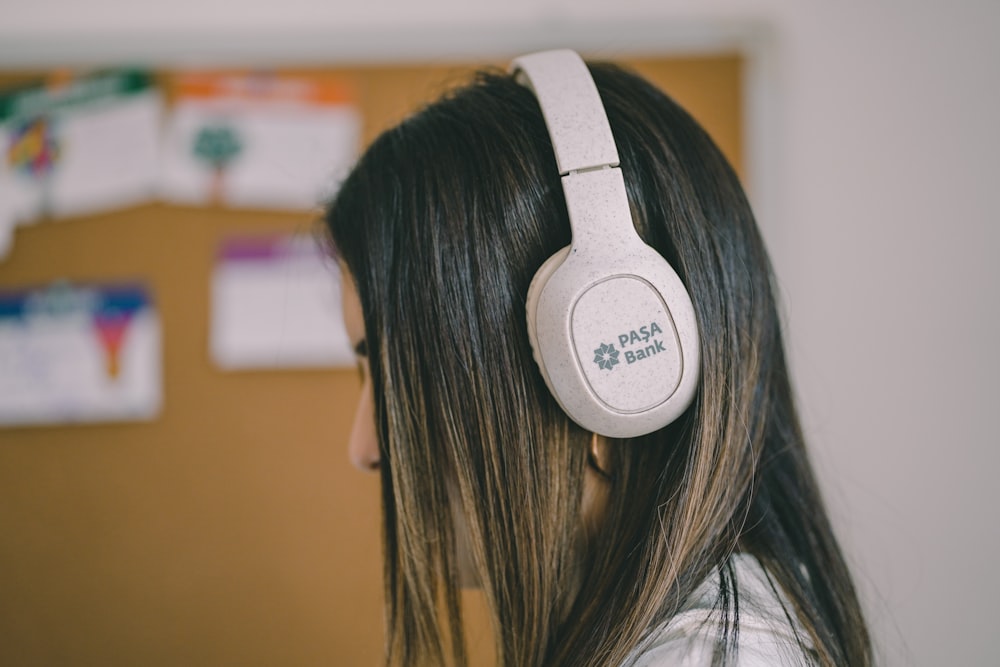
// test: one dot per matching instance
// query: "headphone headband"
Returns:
(572, 107)
(584, 146)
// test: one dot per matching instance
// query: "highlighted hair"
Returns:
(443, 223)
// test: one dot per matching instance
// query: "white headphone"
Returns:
(611, 325)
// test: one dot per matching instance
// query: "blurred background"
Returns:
(203, 511)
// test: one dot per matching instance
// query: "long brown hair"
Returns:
(442, 224)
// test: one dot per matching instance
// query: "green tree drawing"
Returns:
(217, 146)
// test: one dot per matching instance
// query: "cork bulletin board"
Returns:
(230, 530)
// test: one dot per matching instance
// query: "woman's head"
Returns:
(441, 227)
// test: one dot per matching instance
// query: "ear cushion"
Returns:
(538, 282)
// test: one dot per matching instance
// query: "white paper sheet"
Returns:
(79, 354)
(276, 304)
(87, 145)
(258, 142)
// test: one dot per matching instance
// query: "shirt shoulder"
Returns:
(766, 636)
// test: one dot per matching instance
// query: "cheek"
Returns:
(362, 447)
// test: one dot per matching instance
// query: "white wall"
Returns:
(875, 166)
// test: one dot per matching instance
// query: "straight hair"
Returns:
(442, 224)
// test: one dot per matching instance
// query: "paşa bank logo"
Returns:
(606, 356)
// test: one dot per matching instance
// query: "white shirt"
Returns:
(765, 639)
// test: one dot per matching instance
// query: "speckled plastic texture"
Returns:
(612, 327)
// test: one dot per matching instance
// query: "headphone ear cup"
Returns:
(615, 341)
(538, 283)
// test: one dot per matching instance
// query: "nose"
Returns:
(362, 447)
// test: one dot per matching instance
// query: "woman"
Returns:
(704, 542)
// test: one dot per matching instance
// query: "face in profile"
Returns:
(362, 445)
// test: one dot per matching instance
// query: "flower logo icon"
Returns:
(606, 356)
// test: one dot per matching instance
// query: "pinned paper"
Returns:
(259, 141)
(78, 146)
(79, 354)
(276, 304)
